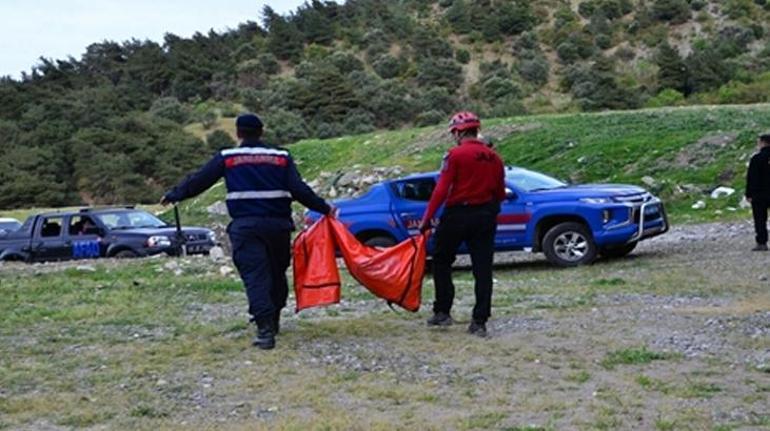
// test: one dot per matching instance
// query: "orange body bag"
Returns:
(316, 277)
(394, 273)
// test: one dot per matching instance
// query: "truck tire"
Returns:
(125, 254)
(569, 244)
(617, 251)
(12, 258)
(380, 241)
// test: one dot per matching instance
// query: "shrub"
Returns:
(388, 66)
(439, 73)
(429, 118)
(437, 99)
(534, 70)
(269, 63)
(346, 62)
(358, 122)
(463, 56)
(675, 11)
(208, 118)
(667, 97)
(171, 109)
(218, 140)
(284, 127)
(568, 52)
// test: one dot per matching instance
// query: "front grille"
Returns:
(196, 237)
(637, 215)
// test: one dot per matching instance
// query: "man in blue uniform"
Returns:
(261, 183)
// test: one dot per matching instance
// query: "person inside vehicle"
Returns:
(758, 190)
(87, 227)
(471, 186)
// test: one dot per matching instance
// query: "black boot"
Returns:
(265, 338)
(478, 329)
(440, 319)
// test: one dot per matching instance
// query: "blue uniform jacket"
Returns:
(261, 183)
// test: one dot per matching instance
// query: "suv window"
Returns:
(416, 189)
(51, 227)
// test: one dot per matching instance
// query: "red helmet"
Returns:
(464, 121)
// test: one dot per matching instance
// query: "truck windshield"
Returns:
(529, 181)
(130, 220)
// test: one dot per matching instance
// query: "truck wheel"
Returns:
(617, 251)
(569, 244)
(125, 254)
(380, 241)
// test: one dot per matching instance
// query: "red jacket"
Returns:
(473, 174)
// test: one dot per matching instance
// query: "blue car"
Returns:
(570, 224)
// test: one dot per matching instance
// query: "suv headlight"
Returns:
(158, 241)
(212, 236)
(596, 200)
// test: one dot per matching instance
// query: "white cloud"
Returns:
(57, 29)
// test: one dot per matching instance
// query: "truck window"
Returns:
(81, 225)
(416, 190)
(51, 227)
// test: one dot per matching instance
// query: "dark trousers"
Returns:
(262, 258)
(759, 207)
(475, 226)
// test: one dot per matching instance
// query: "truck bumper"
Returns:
(648, 220)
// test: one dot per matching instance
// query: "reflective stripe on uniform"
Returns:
(264, 194)
(254, 150)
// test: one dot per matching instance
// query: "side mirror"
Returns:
(510, 195)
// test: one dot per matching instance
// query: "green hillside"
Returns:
(109, 126)
(686, 151)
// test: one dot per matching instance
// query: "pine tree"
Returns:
(285, 40)
(672, 72)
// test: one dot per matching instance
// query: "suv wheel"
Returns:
(616, 251)
(380, 241)
(125, 254)
(569, 244)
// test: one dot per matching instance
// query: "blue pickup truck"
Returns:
(570, 224)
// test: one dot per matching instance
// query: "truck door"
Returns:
(512, 222)
(411, 199)
(49, 241)
(83, 236)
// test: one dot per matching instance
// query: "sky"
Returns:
(57, 29)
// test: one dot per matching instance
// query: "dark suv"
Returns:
(105, 232)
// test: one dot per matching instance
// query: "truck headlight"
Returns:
(212, 237)
(158, 241)
(596, 200)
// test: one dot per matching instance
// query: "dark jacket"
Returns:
(261, 183)
(758, 176)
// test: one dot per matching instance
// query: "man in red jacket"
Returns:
(471, 185)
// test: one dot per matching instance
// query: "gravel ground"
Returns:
(675, 336)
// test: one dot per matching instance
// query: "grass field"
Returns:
(687, 151)
(675, 337)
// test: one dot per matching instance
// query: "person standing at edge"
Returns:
(472, 185)
(261, 182)
(758, 190)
